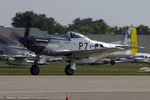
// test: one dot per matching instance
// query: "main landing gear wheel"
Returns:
(34, 70)
(112, 62)
(68, 70)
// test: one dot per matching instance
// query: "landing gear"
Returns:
(112, 62)
(34, 70)
(68, 70)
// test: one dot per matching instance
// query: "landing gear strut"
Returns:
(112, 62)
(70, 69)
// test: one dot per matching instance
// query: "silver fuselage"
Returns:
(78, 44)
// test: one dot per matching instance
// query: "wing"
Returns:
(88, 53)
(22, 56)
(20, 48)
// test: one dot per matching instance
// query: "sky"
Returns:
(113, 12)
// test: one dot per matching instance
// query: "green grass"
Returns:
(57, 68)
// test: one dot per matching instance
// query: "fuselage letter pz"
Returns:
(80, 45)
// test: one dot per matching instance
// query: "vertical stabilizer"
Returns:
(127, 38)
(130, 39)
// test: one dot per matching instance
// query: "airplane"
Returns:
(140, 58)
(21, 60)
(25, 57)
(75, 48)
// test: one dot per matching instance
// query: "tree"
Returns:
(143, 30)
(38, 21)
(84, 26)
(88, 26)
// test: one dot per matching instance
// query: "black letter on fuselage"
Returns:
(86, 45)
(80, 45)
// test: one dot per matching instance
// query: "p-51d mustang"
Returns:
(77, 48)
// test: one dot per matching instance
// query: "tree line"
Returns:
(84, 26)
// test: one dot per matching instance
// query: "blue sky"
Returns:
(114, 12)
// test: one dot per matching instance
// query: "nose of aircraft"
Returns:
(23, 41)
(26, 41)
(33, 44)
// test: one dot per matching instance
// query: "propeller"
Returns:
(28, 24)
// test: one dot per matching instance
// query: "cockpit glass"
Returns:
(73, 35)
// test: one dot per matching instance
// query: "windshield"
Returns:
(75, 35)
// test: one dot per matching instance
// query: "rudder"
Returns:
(134, 42)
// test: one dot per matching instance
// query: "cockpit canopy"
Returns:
(71, 35)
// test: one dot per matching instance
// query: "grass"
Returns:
(57, 68)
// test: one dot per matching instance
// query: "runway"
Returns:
(76, 87)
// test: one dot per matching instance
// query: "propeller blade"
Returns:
(28, 23)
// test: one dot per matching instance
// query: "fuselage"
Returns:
(49, 44)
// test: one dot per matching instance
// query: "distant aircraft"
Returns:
(140, 58)
(25, 57)
(25, 60)
(76, 48)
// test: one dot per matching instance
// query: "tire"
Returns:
(68, 70)
(34, 70)
(112, 62)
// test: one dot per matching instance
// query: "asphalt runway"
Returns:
(76, 87)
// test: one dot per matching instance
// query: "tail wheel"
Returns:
(34, 70)
(68, 70)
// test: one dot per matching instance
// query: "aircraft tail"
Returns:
(130, 39)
